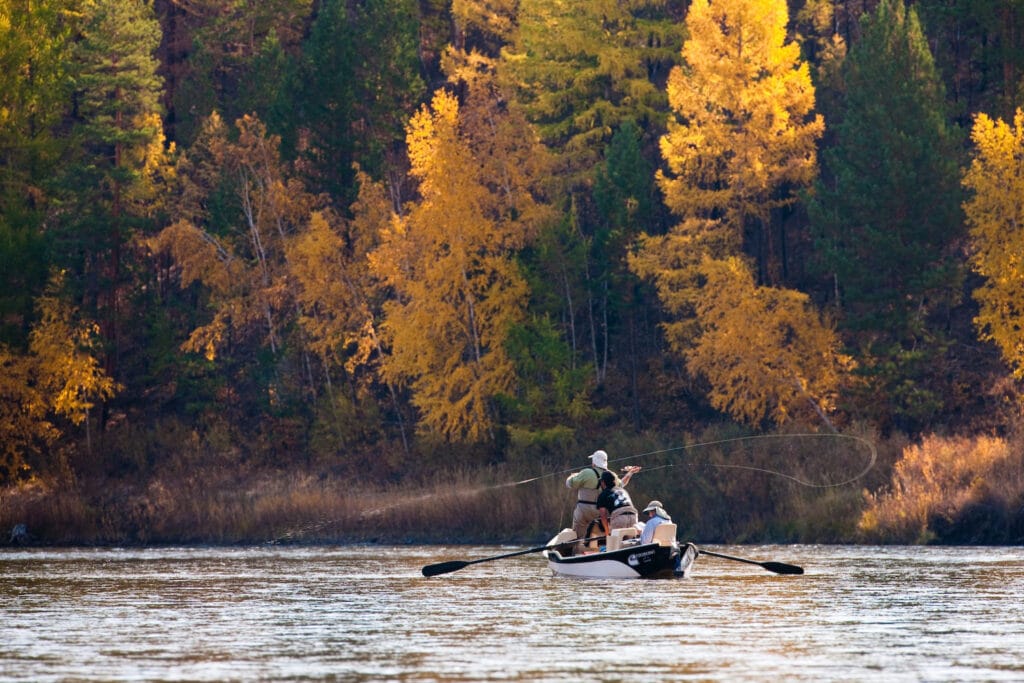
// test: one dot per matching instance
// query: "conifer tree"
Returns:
(627, 204)
(119, 142)
(357, 81)
(448, 259)
(887, 214)
(743, 142)
(765, 352)
(34, 89)
(231, 41)
(995, 216)
(744, 137)
(582, 69)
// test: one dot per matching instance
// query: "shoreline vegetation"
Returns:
(720, 488)
(348, 271)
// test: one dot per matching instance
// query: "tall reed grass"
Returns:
(722, 485)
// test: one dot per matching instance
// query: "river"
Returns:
(365, 613)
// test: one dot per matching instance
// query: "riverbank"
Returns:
(795, 488)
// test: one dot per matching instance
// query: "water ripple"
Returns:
(367, 614)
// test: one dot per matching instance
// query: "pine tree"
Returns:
(627, 204)
(119, 143)
(34, 92)
(228, 43)
(887, 214)
(356, 83)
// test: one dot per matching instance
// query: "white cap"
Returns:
(600, 458)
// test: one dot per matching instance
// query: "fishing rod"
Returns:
(706, 444)
(426, 497)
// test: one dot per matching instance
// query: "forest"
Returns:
(342, 270)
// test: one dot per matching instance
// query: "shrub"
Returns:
(933, 483)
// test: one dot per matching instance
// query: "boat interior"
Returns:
(665, 534)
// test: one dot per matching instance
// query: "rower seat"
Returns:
(665, 533)
(564, 536)
(618, 536)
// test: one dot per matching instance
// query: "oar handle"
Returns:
(455, 565)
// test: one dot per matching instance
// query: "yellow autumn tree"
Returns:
(764, 350)
(448, 260)
(60, 377)
(25, 427)
(995, 216)
(742, 143)
(337, 292)
(673, 263)
(243, 266)
(744, 137)
(65, 348)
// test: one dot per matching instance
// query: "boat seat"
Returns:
(564, 536)
(665, 533)
(618, 536)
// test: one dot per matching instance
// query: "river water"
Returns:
(365, 613)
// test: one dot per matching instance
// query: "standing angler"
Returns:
(587, 485)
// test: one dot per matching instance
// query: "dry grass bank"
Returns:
(221, 508)
(720, 486)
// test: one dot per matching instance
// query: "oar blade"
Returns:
(444, 567)
(782, 568)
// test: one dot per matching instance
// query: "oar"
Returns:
(455, 565)
(777, 567)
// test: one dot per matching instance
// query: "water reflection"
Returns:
(366, 614)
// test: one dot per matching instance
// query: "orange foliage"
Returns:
(244, 265)
(765, 351)
(938, 478)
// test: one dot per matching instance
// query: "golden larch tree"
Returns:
(337, 292)
(745, 135)
(742, 143)
(995, 217)
(449, 261)
(764, 350)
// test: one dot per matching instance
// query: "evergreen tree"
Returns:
(887, 214)
(980, 53)
(582, 69)
(107, 189)
(357, 82)
(34, 88)
(627, 204)
(228, 54)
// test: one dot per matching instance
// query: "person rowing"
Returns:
(614, 505)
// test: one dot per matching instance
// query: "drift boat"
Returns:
(623, 557)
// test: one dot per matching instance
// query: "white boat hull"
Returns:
(652, 560)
